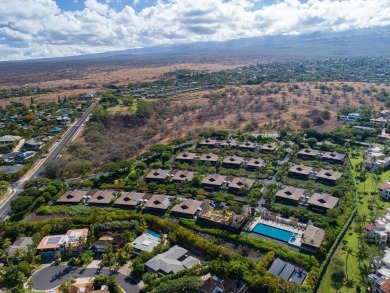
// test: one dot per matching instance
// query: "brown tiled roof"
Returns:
(209, 157)
(384, 185)
(187, 206)
(130, 198)
(268, 146)
(308, 152)
(229, 142)
(370, 226)
(214, 179)
(255, 163)
(183, 175)
(291, 193)
(313, 236)
(208, 142)
(329, 174)
(323, 200)
(300, 169)
(72, 196)
(158, 201)
(186, 156)
(248, 145)
(385, 287)
(240, 182)
(234, 160)
(157, 174)
(102, 197)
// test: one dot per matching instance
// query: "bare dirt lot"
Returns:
(93, 81)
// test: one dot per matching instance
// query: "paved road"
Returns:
(54, 154)
(54, 276)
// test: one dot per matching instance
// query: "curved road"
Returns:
(53, 276)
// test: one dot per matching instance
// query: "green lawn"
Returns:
(121, 109)
(356, 271)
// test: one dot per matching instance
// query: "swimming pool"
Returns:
(152, 233)
(274, 232)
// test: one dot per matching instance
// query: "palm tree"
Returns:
(348, 250)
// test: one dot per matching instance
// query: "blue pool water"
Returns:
(152, 233)
(273, 232)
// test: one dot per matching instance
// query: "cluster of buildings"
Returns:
(331, 157)
(228, 161)
(374, 157)
(320, 202)
(245, 146)
(211, 181)
(325, 176)
(379, 279)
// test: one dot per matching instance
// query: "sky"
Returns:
(31, 29)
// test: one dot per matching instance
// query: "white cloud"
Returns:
(46, 31)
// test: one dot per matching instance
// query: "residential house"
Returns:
(187, 208)
(55, 130)
(145, 242)
(268, 148)
(228, 285)
(379, 121)
(157, 175)
(182, 176)
(213, 181)
(8, 139)
(21, 157)
(287, 271)
(328, 177)
(384, 190)
(101, 197)
(239, 183)
(254, 164)
(100, 245)
(21, 243)
(222, 217)
(312, 237)
(322, 202)
(232, 161)
(73, 196)
(300, 171)
(333, 157)
(380, 280)
(379, 231)
(384, 135)
(308, 154)
(248, 146)
(63, 120)
(69, 244)
(130, 199)
(86, 288)
(33, 144)
(158, 202)
(228, 143)
(208, 142)
(172, 261)
(290, 194)
(210, 158)
(353, 116)
(186, 157)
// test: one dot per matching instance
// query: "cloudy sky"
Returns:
(32, 29)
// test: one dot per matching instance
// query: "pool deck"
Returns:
(298, 239)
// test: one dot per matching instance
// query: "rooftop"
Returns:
(73, 196)
(313, 236)
(241, 182)
(145, 242)
(158, 201)
(291, 193)
(301, 169)
(187, 206)
(323, 200)
(102, 197)
(214, 179)
(130, 198)
(329, 174)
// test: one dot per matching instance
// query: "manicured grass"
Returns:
(356, 272)
(119, 109)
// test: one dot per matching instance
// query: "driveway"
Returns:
(53, 276)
